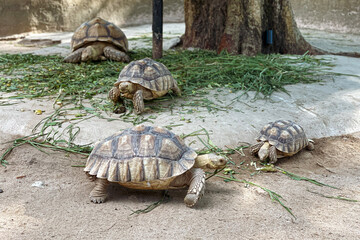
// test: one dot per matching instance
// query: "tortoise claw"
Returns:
(98, 199)
(191, 199)
(99, 193)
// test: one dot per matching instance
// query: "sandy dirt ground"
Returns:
(61, 209)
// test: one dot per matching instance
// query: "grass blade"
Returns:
(273, 195)
(300, 178)
(149, 208)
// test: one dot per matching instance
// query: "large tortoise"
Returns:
(143, 79)
(145, 157)
(98, 40)
(282, 138)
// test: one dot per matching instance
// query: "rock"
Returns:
(38, 43)
(1, 191)
(38, 184)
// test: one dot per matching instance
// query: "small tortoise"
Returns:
(98, 40)
(143, 79)
(280, 139)
(145, 157)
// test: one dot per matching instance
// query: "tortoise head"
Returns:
(92, 52)
(210, 160)
(88, 54)
(127, 88)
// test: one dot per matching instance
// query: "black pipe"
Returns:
(157, 28)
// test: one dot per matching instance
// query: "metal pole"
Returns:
(157, 28)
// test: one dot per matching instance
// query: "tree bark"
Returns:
(240, 27)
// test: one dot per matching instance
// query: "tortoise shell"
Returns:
(141, 153)
(285, 135)
(147, 73)
(98, 29)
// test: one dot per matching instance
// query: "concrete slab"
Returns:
(324, 109)
(139, 37)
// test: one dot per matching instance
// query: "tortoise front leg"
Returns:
(196, 186)
(99, 193)
(74, 57)
(254, 149)
(310, 145)
(116, 55)
(176, 90)
(114, 96)
(272, 154)
(138, 101)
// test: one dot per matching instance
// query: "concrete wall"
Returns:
(120, 12)
(331, 15)
(18, 16)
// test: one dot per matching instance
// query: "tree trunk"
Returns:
(242, 26)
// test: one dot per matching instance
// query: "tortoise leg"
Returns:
(310, 145)
(256, 147)
(263, 152)
(196, 186)
(99, 193)
(176, 90)
(91, 177)
(116, 55)
(74, 57)
(114, 94)
(272, 154)
(138, 101)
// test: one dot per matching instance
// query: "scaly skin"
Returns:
(74, 57)
(138, 101)
(272, 154)
(114, 94)
(264, 151)
(196, 186)
(99, 193)
(254, 149)
(112, 53)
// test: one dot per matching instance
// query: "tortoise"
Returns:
(282, 138)
(143, 79)
(146, 157)
(98, 40)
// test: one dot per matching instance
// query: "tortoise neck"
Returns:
(201, 161)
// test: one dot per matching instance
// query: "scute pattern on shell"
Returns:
(285, 135)
(98, 29)
(142, 153)
(148, 73)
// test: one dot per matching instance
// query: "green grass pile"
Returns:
(33, 76)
